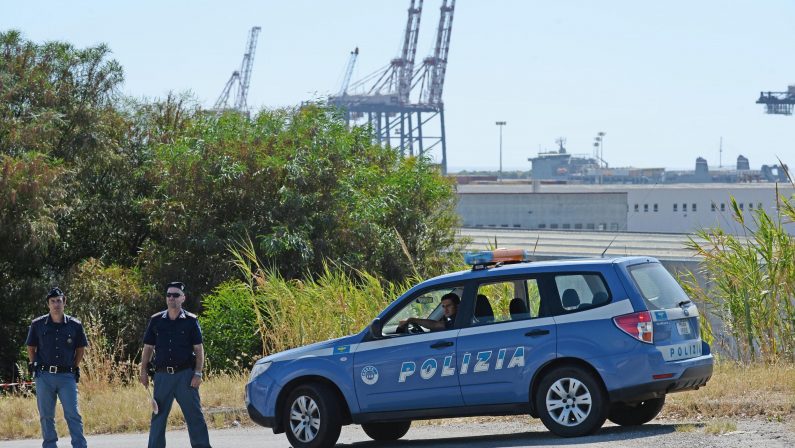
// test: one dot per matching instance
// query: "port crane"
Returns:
(399, 101)
(778, 103)
(240, 78)
(346, 80)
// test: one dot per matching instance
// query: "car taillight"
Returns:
(637, 325)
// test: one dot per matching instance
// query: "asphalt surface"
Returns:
(497, 433)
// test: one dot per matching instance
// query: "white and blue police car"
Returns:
(570, 342)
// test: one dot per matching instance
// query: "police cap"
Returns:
(54, 292)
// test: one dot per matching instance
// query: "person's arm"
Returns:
(433, 325)
(32, 342)
(82, 343)
(79, 352)
(146, 357)
(196, 381)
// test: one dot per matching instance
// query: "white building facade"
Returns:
(674, 208)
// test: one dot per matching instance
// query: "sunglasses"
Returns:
(173, 294)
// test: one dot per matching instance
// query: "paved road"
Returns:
(498, 433)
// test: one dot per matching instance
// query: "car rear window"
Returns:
(659, 289)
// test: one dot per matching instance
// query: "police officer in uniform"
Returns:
(176, 340)
(56, 344)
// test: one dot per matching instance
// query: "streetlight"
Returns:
(599, 144)
(500, 124)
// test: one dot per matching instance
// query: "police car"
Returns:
(570, 342)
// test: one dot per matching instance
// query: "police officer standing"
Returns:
(176, 340)
(56, 344)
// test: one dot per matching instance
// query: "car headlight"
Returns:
(258, 370)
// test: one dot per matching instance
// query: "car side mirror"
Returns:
(377, 328)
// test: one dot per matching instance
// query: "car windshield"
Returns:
(658, 288)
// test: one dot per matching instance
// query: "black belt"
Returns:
(57, 369)
(174, 369)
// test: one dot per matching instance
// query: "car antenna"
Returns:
(608, 246)
(538, 237)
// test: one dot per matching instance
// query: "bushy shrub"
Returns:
(229, 327)
(114, 296)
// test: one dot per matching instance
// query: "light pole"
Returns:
(500, 124)
(599, 144)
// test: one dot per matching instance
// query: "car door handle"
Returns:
(442, 344)
(535, 333)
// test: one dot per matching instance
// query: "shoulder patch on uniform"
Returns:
(39, 318)
(189, 314)
(74, 319)
(159, 313)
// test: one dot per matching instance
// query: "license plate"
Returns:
(683, 326)
(676, 352)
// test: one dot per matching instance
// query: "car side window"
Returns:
(581, 291)
(505, 301)
(425, 305)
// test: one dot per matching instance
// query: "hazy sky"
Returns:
(664, 80)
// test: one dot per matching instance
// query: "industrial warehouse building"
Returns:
(660, 208)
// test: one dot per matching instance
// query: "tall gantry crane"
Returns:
(346, 80)
(394, 98)
(430, 77)
(240, 78)
(779, 103)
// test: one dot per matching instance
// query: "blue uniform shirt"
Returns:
(56, 342)
(173, 339)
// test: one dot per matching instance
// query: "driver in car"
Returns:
(450, 303)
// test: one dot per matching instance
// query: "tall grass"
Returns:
(752, 285)
(291, 313)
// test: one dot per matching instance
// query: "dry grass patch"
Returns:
(110, 408)
(738, 391)
(720, 426)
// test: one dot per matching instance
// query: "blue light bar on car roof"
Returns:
(497, 256)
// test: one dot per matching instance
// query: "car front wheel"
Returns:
(637, 413)
(386, 431)
(312, 417)
(571, 402)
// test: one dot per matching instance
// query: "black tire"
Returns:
(637, 413)
(386, 431)
(316, 422)
(577, 402)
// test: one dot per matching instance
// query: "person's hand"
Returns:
(196, 381)
(405, 322)
(77, 374)
(143, 378)
(32, 369)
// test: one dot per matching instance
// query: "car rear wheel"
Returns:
(312, 417)
(637, 413)
(571, 402)
(386, 431)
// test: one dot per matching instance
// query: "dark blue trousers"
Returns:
(169, 387)
(50, 386)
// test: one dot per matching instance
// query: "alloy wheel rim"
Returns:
(304, 418)
(568, 402)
